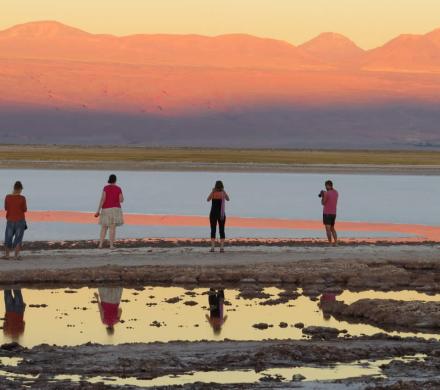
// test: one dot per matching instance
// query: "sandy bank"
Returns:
(313, 267)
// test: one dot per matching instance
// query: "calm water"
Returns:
(73, 318)
(372, 198)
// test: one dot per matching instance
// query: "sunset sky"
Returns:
(369, 23)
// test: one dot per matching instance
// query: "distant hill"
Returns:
(63, 85)
(407, 53)
(334, 49)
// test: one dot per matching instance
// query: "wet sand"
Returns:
(149, 361)
(367, 266)
(313, 268)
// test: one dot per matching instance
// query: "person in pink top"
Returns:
(110, 211)
(109, 300)
(329, 199)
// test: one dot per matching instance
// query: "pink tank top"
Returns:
(112, 193)
(110, 311)
(332, 202)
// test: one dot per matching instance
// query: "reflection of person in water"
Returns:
(109, 299)
(14, 307)
(325, 300)
(216, 316)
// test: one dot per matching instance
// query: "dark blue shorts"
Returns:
(329, 219)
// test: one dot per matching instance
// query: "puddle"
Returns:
(309, 373)
(72, 317)
(10, 361)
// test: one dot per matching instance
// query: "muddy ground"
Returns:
(314, 268)
(147, 361)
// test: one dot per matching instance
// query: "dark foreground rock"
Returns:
(321, 332)
(148, 361)
(315, 277)
(388, 313)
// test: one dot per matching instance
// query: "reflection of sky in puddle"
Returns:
(66, 231)
(64, 322)
(361, 368)
(333, 372)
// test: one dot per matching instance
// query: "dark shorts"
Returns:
(329, 219)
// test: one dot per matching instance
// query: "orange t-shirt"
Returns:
(15, 206)
(14, 324)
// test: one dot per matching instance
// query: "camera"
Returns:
(321, 194)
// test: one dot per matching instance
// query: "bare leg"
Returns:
(212, 244)
(112, 236)
(6, 256)
(328, 230)
(17, 251)
(335, 235)
(222, 245)
(102, 236)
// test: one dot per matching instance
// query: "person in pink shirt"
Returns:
(110, 211)
(329, 199)
(109, 300)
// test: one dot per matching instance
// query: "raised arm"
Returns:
(210, 196)
(324, 198)
(101, 202)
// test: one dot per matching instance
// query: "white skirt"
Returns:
(110, 294)
(111, 216)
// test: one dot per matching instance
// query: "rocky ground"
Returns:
(389, 313)
(148, 361)
(314, 268)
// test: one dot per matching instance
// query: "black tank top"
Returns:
(216, 206)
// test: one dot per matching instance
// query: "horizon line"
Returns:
(41, 21)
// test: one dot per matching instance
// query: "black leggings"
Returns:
(213, 220)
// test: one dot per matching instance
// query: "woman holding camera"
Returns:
(329, 200)
(218, 198)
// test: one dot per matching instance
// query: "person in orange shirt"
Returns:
(15, 206)
(14, 316)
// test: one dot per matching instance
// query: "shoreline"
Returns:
(180, 159)
(314, 268)
(176, 166)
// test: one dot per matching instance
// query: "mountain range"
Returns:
(63, 85)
